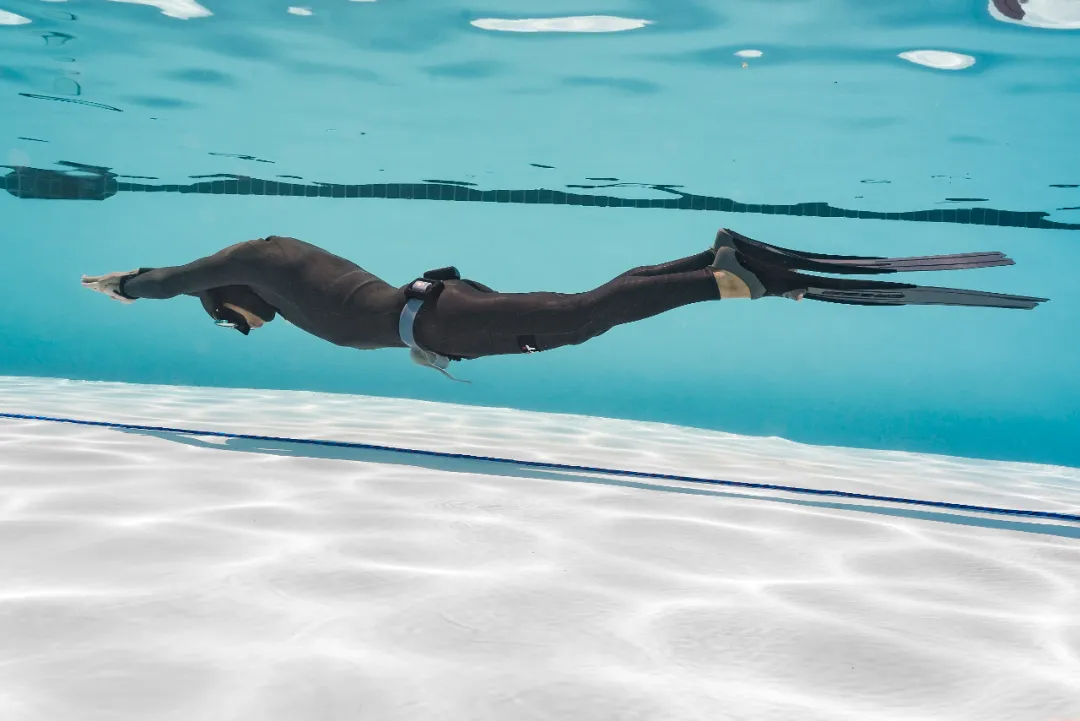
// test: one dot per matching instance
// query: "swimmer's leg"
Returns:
(698, 261)
(471, 325)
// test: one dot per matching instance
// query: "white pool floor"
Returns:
(153, 575)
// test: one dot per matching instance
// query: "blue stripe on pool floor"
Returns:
(1074, 518)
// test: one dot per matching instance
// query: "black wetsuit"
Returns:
(338, 301)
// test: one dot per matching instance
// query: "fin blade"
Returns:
(956, 261)
(859, 264)
(922, 295)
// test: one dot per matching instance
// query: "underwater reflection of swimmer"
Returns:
(442, 317)
(1010, 8)
(1050, 14)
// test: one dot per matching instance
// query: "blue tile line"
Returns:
(1073, 518)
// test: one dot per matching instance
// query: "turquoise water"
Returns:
(391, 95)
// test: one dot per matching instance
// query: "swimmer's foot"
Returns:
(733, 279)
(111, 284)
(739, 277)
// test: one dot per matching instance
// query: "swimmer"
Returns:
(442, 317)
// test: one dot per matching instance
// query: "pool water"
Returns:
(522, 142)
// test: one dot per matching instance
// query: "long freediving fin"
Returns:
(781, 281)
(921, 295)
(854, 264)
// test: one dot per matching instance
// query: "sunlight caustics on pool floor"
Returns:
(178, 576)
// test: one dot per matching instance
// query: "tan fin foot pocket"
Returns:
(731, 286)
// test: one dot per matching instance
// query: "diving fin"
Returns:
(903, 294)
(782, 282)
(854, 264)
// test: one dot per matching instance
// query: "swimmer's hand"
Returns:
(109, 284)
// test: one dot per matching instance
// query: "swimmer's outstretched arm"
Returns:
(235, 265)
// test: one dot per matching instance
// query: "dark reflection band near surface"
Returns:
(85, 182)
